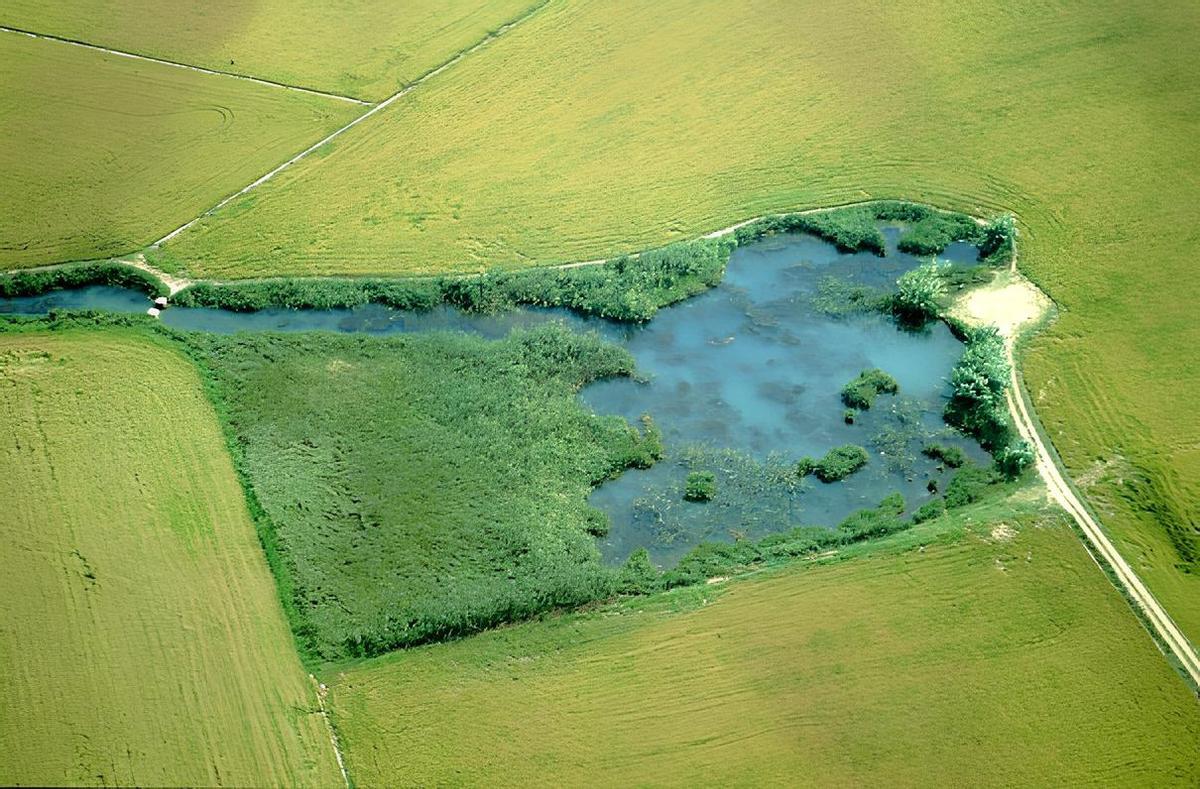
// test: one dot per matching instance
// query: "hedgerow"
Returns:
(78, 275)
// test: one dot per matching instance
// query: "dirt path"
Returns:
(174, 284)
(176, 64)
(1011, 303)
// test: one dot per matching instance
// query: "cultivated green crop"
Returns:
(592, 130)
(104, 154)
(143, 641)
(972, 661)
(358, 48)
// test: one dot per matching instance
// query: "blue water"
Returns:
(742, 380)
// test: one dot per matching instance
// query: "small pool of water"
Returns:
(742, 380)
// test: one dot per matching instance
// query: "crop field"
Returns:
(104, 154)
(143, 641)
(590, 130)
(995, 655)
(358, 48)
(423, 486)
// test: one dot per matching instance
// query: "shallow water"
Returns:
(742, 380)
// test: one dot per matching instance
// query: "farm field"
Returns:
(161, 145)
(993, 656)
(360, 49)
(143, 641)
(587, 131)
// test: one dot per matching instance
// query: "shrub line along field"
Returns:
(175, 64)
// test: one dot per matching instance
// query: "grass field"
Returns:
(989, 658)
(360, 49)
(422, 486)
(143, 641)
(104, 154)
(589, 131)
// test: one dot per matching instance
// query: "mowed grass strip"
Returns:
(988, 659)
(592, 130)
(104, 154)
(358, 48)
(143, 641)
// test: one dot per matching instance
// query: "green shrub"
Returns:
(1014, 459)
(929, 510)
(979, 381)
(700, 486)
(968, 486)
(848, 416)
(862, 391)
(998, 239)
(837, 464)
(953, 457)
(919, 292)
(932, 233)
(639, 575)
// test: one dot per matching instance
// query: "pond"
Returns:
(742, 380)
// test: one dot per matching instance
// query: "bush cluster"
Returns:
(919, 293)
(953, 457)
(837, 464)
(700, 486)
(869, 384)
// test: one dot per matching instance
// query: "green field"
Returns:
(590, 130)
(990, 657)
(357, 48)
(423, 486)
(104, 154)
(143, 641)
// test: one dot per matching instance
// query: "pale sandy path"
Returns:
(176, 64)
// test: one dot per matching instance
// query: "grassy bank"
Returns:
(991, 655)
(143, 643)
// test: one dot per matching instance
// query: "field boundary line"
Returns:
(176, 64)
(374, 108)
(321, 690)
